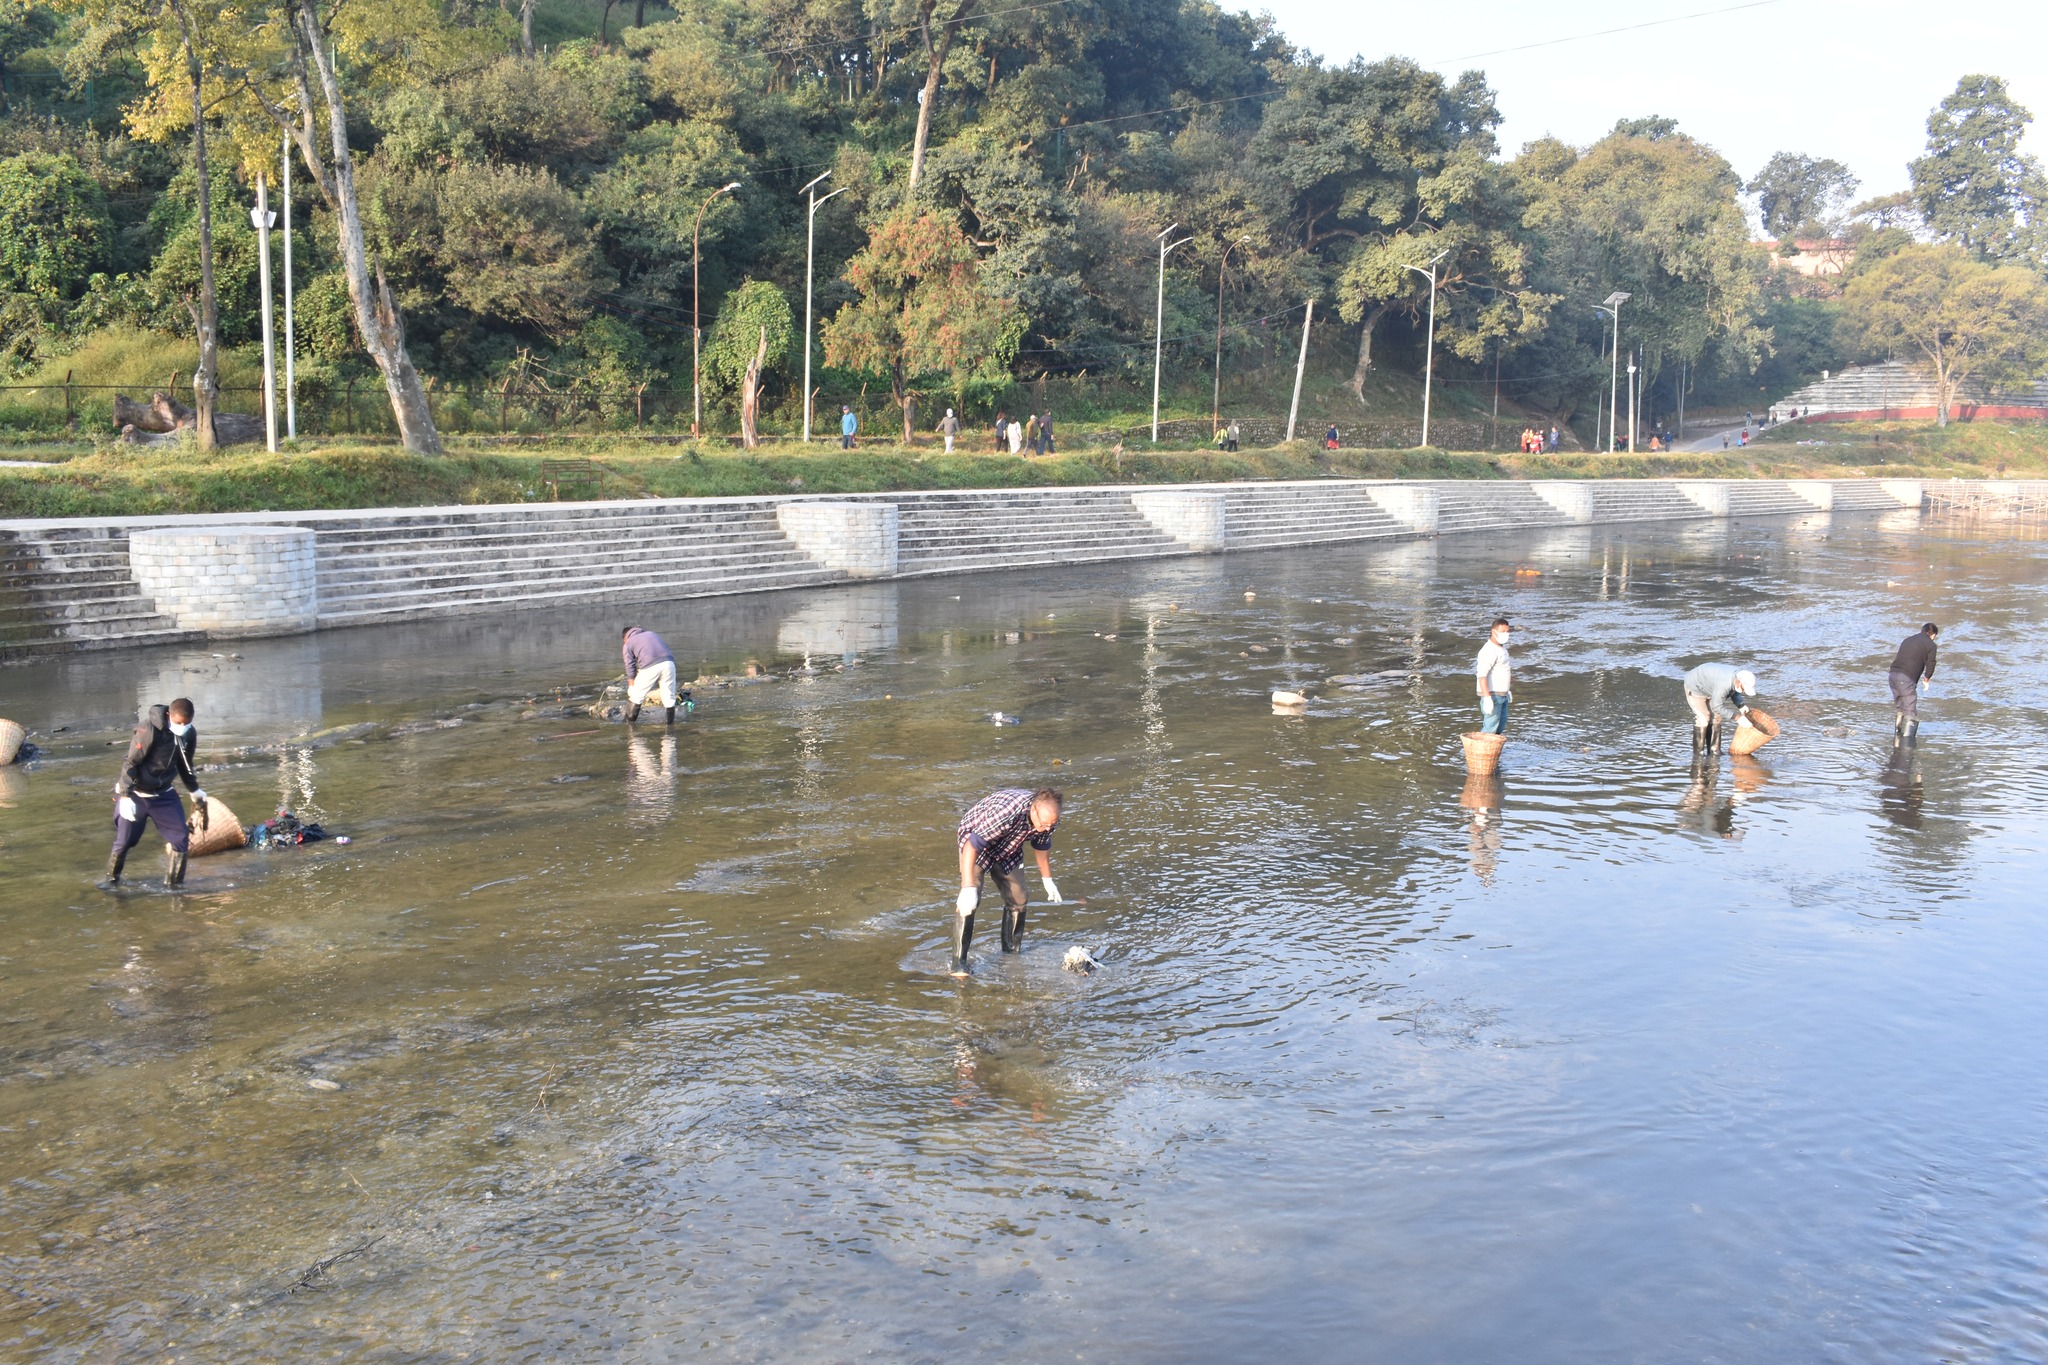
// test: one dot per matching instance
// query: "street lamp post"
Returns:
(696, 303)
(261, 219)
(1429, 355)
(1631, 400)
(291, 388)
(1216, 396)
(1159, 321)
(810, 253)
(1614, 302)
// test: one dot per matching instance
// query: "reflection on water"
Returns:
(601, 1042)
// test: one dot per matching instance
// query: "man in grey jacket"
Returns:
(1713, 691)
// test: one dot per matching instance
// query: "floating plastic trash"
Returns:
(1289, 699)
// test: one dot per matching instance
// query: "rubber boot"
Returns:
(174, 870)
(1714, 738)
(1912, 735)
(671, 715)
(1899, 723)
(1013, 928)
(115, 861)
(1699, 738)
(632, 712)
(963, 934)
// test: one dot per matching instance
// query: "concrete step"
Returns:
(550, 553)
(406, 605)
(340, 586)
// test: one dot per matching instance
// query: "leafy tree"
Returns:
(1798, 195)
(1975, 186)
(54, 226)
(1967, 319)
(922, 317)
(754, 307)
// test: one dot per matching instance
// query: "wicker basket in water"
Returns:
(11, 738)
(1760, 731)
(223, 831)
(1482, 752)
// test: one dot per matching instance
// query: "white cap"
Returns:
(1745, 682)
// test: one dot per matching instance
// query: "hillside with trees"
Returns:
(539, 197)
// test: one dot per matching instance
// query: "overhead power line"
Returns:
(1605, 32)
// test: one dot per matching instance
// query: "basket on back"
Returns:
(1760, 731)
(223, 831)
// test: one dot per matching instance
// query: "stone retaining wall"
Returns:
(859, 538)
(229, 580)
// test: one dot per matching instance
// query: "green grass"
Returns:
(1960, 450)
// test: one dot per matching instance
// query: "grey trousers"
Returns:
(1905, 695)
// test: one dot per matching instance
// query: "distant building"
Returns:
(1813, 257)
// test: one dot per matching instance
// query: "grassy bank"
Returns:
(1960, 450)
(116, 480)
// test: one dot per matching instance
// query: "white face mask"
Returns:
(180, 728)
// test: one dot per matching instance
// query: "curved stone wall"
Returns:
(229, 580)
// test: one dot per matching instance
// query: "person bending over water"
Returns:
(159, 758)
(992, 839)
(650, 668)
(1712, 690)
(1912, 665)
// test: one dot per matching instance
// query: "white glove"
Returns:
(199, 793)
(1927, 685)
(127, 809)
(1052, 890)
(1486, 704)
(969, 897)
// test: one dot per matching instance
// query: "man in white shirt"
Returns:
(1496, 677)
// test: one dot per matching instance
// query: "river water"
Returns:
(645, 1051)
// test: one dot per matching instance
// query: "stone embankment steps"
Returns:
(1265, 518)
(963, 533)
(1470, 506)
(71, 588)
(395, 568)
(1765, 498)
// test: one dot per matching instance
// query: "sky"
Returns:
(1852, 82)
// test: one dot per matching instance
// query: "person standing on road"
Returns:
(650, 668)
(848, 425)
(949, 427)
(1496, 679)
(992, 838)
(1912, 666)
(1712, 690)
(160, 756)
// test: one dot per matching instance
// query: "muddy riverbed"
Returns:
(601, 1044)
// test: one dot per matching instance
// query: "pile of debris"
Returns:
(164, 420)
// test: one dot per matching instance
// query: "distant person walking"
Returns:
(160, 756)
(1235, 435)
(1331, 440)
(1712, 690)
(1912, 667)
(1553, 439)
(949, 427)
(1045, 445)
(992, 839)
(1002, 432)
(1495, 672)
(650, 669)
(1016, 434)
(848, 425)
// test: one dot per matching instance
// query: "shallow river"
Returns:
(645, 1051)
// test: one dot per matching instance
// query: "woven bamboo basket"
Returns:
(1760, 731)
(1482, 752)
(223, 831)
(11, 739)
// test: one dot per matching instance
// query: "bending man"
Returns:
(159, 758)
(649, 668)
(992, 839)
(1913, 664)
(1713, 690)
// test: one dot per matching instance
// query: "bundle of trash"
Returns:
(284, 830)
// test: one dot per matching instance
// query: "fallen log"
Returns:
(229, 429)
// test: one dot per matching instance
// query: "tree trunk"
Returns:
(640, 14)
(936, 53)
(750, 395)
(526, 27)
(1365, 331)
(205, 313)
(376, 311)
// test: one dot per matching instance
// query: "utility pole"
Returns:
(810, 257)
(1216, 397)
(1300, 367)
(1159, 321)
(1614, 302)
(696, 303)
(1493, 437)
(1429, 355)
(261, 218)
(291, 387)
(1632, 400)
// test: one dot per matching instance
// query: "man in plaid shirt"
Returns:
(992, 839)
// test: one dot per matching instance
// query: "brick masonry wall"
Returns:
(229, 580)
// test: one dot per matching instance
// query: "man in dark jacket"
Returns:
(1910, 666)
(650, 668)
(159, 757)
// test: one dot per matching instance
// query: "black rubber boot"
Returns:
(1912, 735)
(115, 861)
(963, 934)
(1699, 738)
(1013, 928)
(632, 712)
(671, 715)
(1713, 746)
(174, 870)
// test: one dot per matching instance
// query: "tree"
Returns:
(755, 329)
(922, 315)
(54, 229)
(1800, 196)
(1975, 186)
(936, 31)
(1969, 320)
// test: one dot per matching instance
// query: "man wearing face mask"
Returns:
(1495, 673)
(159, 757)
